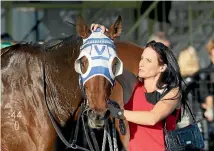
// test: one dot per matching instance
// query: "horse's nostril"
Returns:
(90, 113)
(100, 117)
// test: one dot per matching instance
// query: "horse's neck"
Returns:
(63, 91)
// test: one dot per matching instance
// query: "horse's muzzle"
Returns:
(96, 120)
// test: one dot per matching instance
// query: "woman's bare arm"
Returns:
(161, 110)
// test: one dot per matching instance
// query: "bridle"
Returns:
(81, 116)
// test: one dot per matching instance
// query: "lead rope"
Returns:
(96, 146)
(114, 136)
(109, 138)
(104, 137)
(86, 135)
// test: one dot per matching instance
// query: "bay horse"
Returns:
(25, 123)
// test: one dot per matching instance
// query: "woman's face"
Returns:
(149, 66)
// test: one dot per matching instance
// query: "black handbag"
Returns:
(188, 138)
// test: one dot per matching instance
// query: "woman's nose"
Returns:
(141, 64)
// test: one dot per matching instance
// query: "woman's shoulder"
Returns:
(174, 90)
(172, 94)
(169, 91)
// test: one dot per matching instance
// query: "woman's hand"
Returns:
(116, 112)
(95, 26)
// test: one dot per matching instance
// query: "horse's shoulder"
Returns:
(19, 50)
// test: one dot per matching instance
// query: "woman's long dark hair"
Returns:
(171, 77)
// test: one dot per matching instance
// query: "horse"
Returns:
(26, 124)
(127, 56)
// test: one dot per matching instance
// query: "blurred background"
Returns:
(186, 27)
(184, 23)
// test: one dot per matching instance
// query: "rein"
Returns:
(83, 108)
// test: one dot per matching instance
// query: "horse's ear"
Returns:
(82, 28)
(115, 29)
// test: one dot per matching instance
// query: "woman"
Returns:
(150, 99)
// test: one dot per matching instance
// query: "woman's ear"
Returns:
(163, 67)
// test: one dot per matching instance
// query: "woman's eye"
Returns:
(148, 60)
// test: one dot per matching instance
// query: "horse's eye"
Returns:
(84, 64)
(114, 65)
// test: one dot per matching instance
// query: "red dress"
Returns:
(146, 138)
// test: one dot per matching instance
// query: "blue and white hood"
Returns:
(100, 52)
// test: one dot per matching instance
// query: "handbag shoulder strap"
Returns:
(193, 116)
(191, 112)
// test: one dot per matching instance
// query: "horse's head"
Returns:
(98, 65)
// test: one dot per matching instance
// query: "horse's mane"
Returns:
(62, 42)
(47, 45)
(17, 48)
